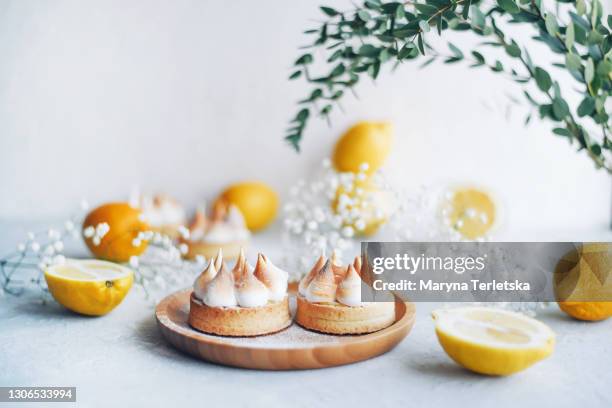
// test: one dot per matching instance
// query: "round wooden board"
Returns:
(293, 348)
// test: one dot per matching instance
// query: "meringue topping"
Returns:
(226, 224)
(220, 290)
(322, 288)
(273, 277)
(337, 268)
(239, 267)
(250, 291)
(240, 286)
(310, 276)
(219, 259)
(160, 209)
(202, 281)
(349, 290)
(357, 264)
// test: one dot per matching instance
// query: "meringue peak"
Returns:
(203, 279)
(250, 291)
(303, 285)
(349, 290)
(275, 279)
(219, 259)
(322, 288)
(219, 292)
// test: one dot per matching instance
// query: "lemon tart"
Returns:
(225, 229)
(330, 302)
(242, 301)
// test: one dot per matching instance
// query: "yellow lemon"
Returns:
(257, 202)
(111, 232)
(366, 142)
(364, 206)
(492, 341)
(471, 212)
(89, 287)
(583, 282)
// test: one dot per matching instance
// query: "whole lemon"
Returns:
(257, 202)
(111, 232)
(365, 204)
(583, 282)
(365, 142)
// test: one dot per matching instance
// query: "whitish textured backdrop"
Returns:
(187, 96)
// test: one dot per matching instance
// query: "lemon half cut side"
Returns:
(492, 341)
(89, 287)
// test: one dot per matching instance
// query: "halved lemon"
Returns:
(471, 212)
(492, 341)
(89, 287)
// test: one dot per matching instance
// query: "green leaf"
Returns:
(542, 79)
(551, 24)
(589, 71)
(424, 26)
(420, 44)
(610, 21)
(295, 75)
(329, 11)
(513, 50)
(304, 60)
(426, 9)
(573, 62)
(569, 36)
(368, 50)
(580, 7)
(509, 6)
(586, 107)
(560, 108)
(562, 132)
(478, 18)
(364, 15)
(456, 51)
(338, 70)
(466, 9)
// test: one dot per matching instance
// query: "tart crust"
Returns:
(239, 321)
(231, 250)
(336, 318)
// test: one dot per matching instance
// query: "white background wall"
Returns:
(187, 96)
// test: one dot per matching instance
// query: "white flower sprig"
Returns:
(158, 271)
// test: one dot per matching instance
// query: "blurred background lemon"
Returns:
(257, 202)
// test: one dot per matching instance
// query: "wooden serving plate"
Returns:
(293, 348)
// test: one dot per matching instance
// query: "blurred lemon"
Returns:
(583, 282)
(89, 287)
(492, 341)
(363, 206)
(257, 202)
(111, 232)
(366, 142)
(471, 212)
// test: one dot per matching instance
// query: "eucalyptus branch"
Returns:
(358, 42)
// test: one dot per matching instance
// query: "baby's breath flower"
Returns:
(134, 261)
(89, 232)
(69, 225)
(59, 246)
(84, 205)
(21, 247)
(35, 246)
(183, 248)
(96, 240)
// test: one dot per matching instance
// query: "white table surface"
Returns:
(121, 360)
